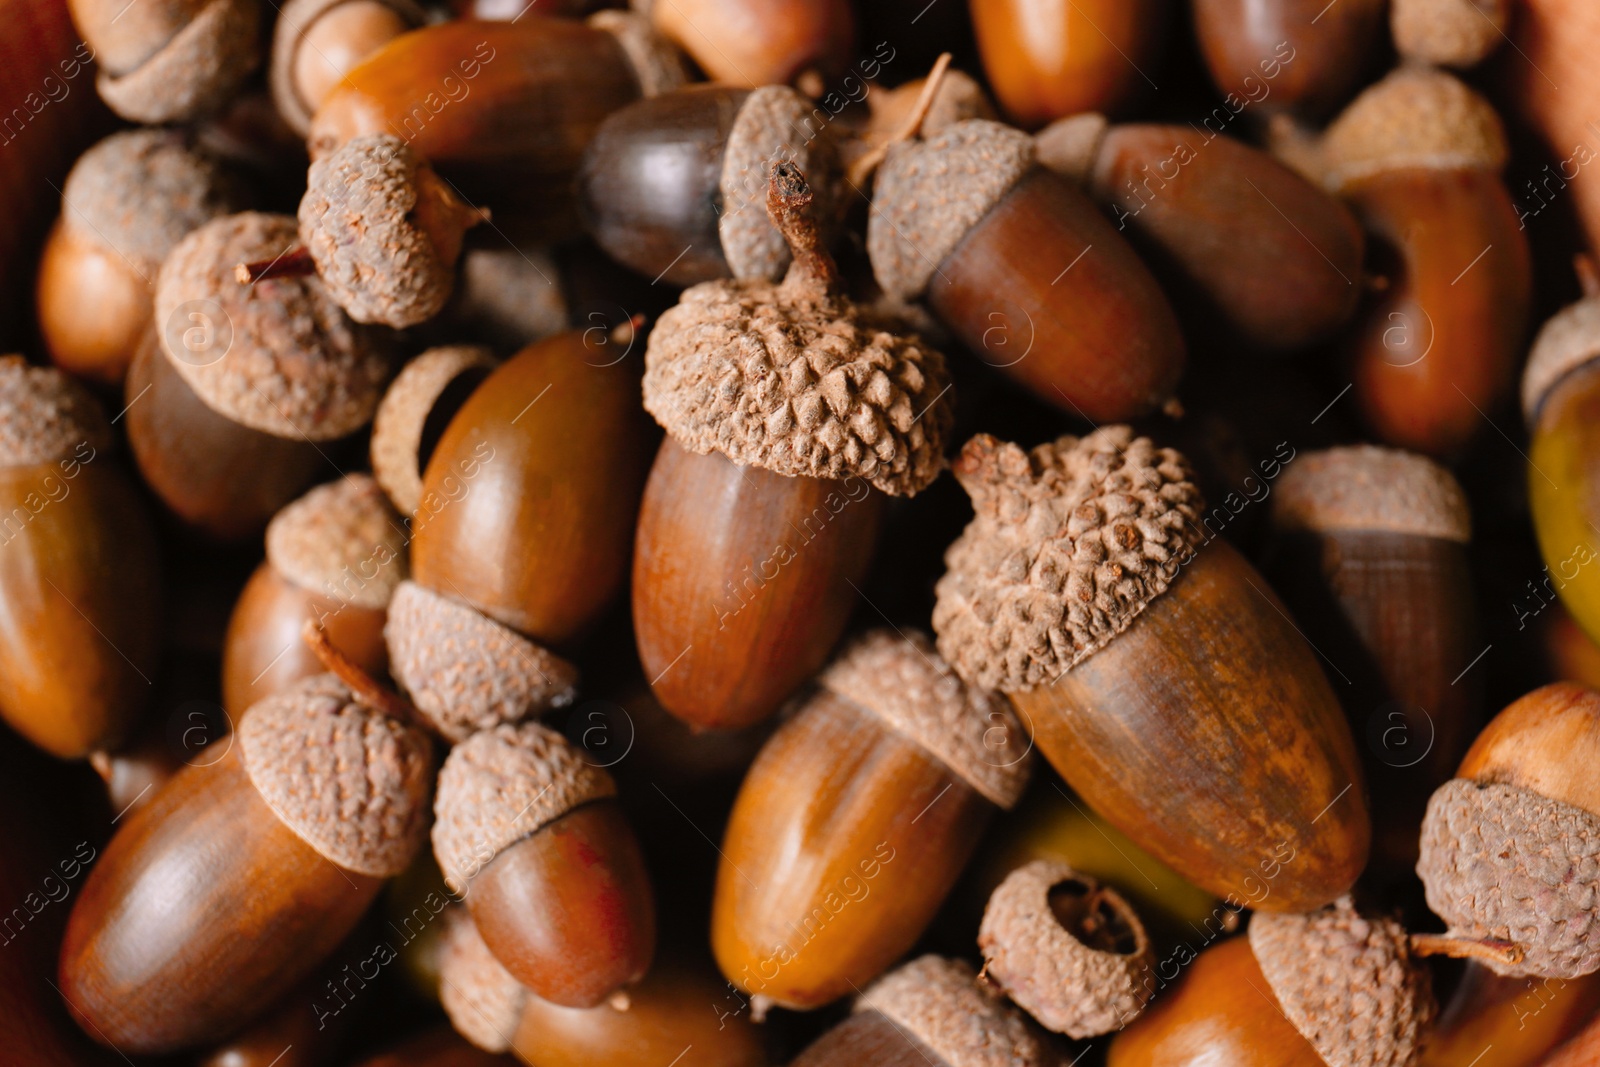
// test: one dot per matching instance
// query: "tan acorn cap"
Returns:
(1508, 864)
(295, 19)
(774, 123)
(958, 98)
(45, 416)
(1447, 33)
(1071, 145)
(939, 1002)
(657, 63)
(1365, 487)
(465, 671)
(902, 681)
(1567, 341)
(500, 785)
(403, 414)
(483, 1000)
(1047, 970)
(293, 364)
(350, 781)
(195, 73)
(1069, 544)
(341, 540)
(930, 193)
(1348, 983)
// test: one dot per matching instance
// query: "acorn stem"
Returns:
(366, 689)
(1489, 950)
(295, 263)
(788, 201)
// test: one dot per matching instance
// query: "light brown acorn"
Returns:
(315, 43)
(749, 43)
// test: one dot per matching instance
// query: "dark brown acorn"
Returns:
(749, 43)
(1288, 55)
(315, 43)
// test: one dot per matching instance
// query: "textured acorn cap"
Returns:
(657, 63)
(939, 1002)
(1566, 342)
(403, 414)
(350, 781)
(195, 73)
(1069, 543)
(1347, 982)
(46, 415)
(958, 98)
(904, 683)
(1047, 970)
(341, 540)
(1505, 863)
(482, 999)
(1365, 487)
(356, 221)
(1447, 33)
(500, 785)
(295, 19)
(294, 364)
(466, 672)
(1071, 145)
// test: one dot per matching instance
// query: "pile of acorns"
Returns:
(717, 747)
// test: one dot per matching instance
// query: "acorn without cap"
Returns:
(749, 43)
(1302, 56)
(315, 43)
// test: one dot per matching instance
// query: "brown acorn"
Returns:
(749, 43)
(1519, 1020)
(508, 298)
(856, 819)
(1448, 33)
(315, 43)
(417, 406)
(1024, 270)
(80, 585)
(1288, 55)
(438, 1047)
(760, 515)
(1085, 589)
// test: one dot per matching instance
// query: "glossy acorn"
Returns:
(1518, 1020)
(315, 43)
(1085, 589)
(1288, 55)
(750, 43)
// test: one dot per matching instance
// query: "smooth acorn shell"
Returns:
(1509, 1021)
(749, 43)
(742, 581)
(1290, 55)
(92, 307)
(868, 1037)
(1548, 742)
(290, 1034)
(204, 910)
(1207, 733)
(843, 842)
(1563, 473)
(1044, 289)
(568, 909)
(530, 497)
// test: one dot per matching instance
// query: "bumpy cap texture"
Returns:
(1415, 117)
(278, 355)
(500, 785)
(465, 671)
(403, 414)
(1348, 983)
(341, 540)
(1364, 487)
(1069, 544)
(355, 219)
(905, 684)
(774, 123)
(1566, 342)
(1507, 863)
(1068, 986)
(295, 19)
(352, 782)
(45, 416)
(930, 193)
(483, 1000)
(195, 73)
(939, 1002)
(656, 61)
(1447, 33)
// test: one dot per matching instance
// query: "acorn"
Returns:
(1068, 950)
(1046, 61)
(762, 510)
(508, 298)
(437, 1047)
(1333, 988)
(931, 1012)
(857, 818)
(1448, 33)
(1288, 55)
(334, 557)
(1024, 270)
(675, 185)
(315, 43)
(956, 98)
(750, 43)
(1520, 1019)
(172, 60)
(1085, 590)
(80, 585)
(126, 202)
(242, 875)
(1291, 274)
(1510, 854)
(417, 406)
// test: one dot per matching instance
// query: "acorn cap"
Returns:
(1447, 33)
(139, 192)
(958, 98)
(1348, 983)
(403, 414)
(277, 355)
(465, 671)
(1566, 342)
(902, 681)
(657, 63)
(1505, 863)
(501, 785)
(939, 1002)
(295, 19)
(45, 416)
(1415, 117)
(774, 123)
(1069, 543)
(1365, 487)
(356, 221)
(350, 781)
(482, 999)
(930, 193)
(1047, 970)
(341, 540)
(1071, 145)
(195, 73)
